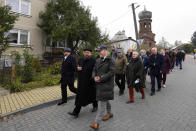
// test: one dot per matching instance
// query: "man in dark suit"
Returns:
(67, 75)
(156, 64)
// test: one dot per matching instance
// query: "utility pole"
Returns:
(135, 24)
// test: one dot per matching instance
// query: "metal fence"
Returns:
(5, 70)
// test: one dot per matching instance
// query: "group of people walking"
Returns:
(96, 76)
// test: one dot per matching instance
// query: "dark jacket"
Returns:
(156, 64)
(113, 54)
(105, 69)
(134, 71)
(145, 60)
(129, 56)
(167, 64)
(68, 68)
(172, 56)
(180, 56)
(86, 89)
(121, 65)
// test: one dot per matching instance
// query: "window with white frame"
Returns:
(20, 6)
(19, 37)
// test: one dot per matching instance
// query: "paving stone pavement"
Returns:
(172, 109)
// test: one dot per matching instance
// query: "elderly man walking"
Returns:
(103, 75)
(156, 64)
(144, 59)
(121, 65)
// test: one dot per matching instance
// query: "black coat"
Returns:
(129, 56)
(68, 68)
(156, 64)
(180, 56)
(86, 89)
(135, 70)
(105, 69)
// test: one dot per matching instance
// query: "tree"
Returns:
(188, 48)
(7, 21)
(178, 43)
(68, 21)
(193, 38)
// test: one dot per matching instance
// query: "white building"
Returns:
(120, 40)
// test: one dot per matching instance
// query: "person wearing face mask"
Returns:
(103, 75)
(134, 76)
(156, 65)
(67, 75)
(121, 64)
(167, 66)
(86, 90)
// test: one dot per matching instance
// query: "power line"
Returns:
(118, 18)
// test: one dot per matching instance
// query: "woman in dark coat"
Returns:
(86, 89)
(167, 67)
(134, 75)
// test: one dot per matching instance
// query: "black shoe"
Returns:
(94, 109)
(73, 114)
(62, 102)
(152, 94)
(180, 68)
(158, 90)
(121, 93)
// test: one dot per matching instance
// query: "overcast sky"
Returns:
(172, 19)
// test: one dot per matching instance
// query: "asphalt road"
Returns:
(172, 109)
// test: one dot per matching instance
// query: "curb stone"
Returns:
(31, 108)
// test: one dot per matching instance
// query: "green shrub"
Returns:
(34, 84)
(17, 85)
(50, 81)
(18, 67)
(55, 68)
(37, 65)
(28, 68)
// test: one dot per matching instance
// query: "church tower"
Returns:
(145, 31)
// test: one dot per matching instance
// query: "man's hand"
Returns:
(97, 79)
(79, 68)
(161, 72)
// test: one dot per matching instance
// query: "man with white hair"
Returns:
(144, 59)
(156, 64)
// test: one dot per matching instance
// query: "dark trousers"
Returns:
(120, 81)
(173, 64)
(164, 77)
(68, 82)
(179, 62)
(77, 109)
(158, 77)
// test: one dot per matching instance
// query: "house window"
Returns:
(150, 44)
(61, 44)
(20, 6)
(19, 37)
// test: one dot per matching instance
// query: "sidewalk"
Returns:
(17, 101)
